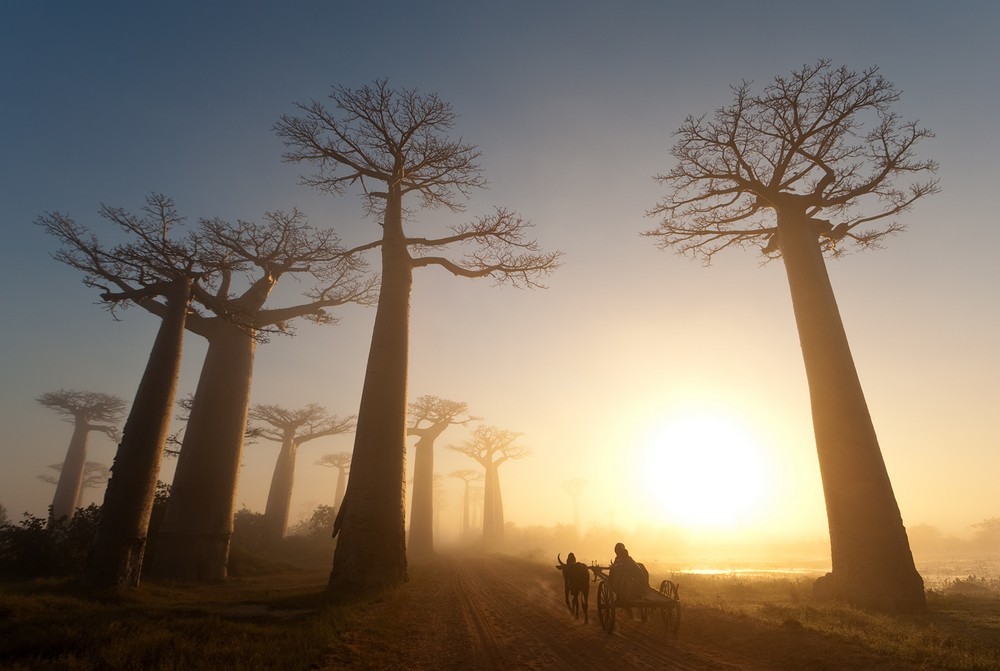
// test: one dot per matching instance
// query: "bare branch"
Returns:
(820, 141)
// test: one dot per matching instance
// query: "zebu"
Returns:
(576, 580)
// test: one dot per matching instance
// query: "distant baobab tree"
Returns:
(429, 417)
(342, 462)
(466, 476)
(291, 428)
(155, 266)
(476, 496)
(198, 522)
(94, 475)
(393, 144)
(492, 447)
(438, 502)
(573, 488)
(87, 411)
(810, 164)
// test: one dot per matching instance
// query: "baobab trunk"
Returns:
(498, 521)
(338, 497)
(371, 542)
(489, 504)
(116, 556)
(465, 512)
(872, 562)
(279, 497)
(421, 515)
(198, 525)
(71, 476)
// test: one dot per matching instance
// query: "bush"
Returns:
(319, 525)
(37, 547)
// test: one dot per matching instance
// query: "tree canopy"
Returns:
(823, 138)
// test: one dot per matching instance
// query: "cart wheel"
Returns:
(606, 606)
(672, 612)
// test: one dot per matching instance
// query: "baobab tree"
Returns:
(429, 417)
(466, 476)
(87, 411)
(290, 428)
(393, 144)
(155, 263)
(491, 447)
(342, 462)
(194, 539)
(809, 165)
(573, 488)
(94, 475)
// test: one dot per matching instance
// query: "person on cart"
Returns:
(629, 579)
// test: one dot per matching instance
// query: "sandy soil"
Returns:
(493, 612)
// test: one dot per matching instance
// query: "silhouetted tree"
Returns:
(87, 411)
(291, 428)
(429, 417)
(3, 516)
(466, 476)
(393, 144)
(94, 475)
(573, 488)
(150, 266)
(491, 447)
(822, 142)
(342, 462)
(198, 523)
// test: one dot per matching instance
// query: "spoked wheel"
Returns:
(672, 611)
(606, 606)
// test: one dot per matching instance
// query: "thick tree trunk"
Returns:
(198, 525)
(338, 498)
(371, 547)
(465, 511)
(116, 556)
(422, 513)
(872, 563)
(71, 476)
(279, 496)
(498, 521)
(489, 506)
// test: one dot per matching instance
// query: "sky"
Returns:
(630, 351)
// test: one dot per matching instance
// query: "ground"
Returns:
(497, 612)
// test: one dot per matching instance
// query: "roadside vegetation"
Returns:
(959, 631)
(272, 613)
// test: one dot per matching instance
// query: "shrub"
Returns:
(37, 547)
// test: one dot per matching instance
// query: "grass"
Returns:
(280, 620)
(959, 632)
(277, 622)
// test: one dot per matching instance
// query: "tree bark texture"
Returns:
(279, 496)
(422, 512)
(371, 545)
(71, 476)
(872, 562)
(116, 556)
(198, 524)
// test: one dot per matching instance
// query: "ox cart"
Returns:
(640, 597)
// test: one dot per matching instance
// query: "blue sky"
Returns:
(573, 105)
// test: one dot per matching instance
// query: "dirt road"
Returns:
(492, 612)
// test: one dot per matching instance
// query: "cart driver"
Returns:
(628, 579)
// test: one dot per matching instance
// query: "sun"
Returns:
(703, 470)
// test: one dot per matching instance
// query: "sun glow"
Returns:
(703, 470)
